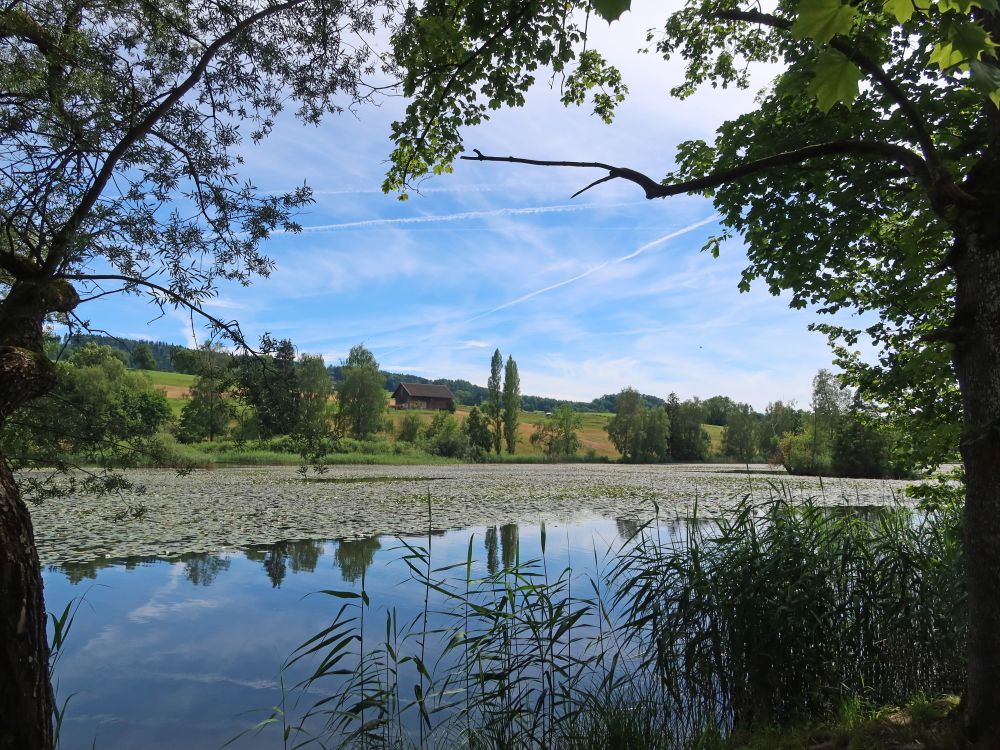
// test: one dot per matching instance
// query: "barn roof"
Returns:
(426, 390)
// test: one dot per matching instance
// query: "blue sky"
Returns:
(588, 295)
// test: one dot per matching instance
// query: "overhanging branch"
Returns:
(875, 150)
(231, 328)
(864, 62)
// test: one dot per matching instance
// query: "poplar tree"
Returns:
(494, 400)
(511, 403)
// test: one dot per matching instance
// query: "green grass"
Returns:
(922, 723)
(715, 436)
(177, 379)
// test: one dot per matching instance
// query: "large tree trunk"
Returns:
(25, 373)
(25, 692)
(976, 263)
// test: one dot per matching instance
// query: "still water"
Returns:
(187, 652)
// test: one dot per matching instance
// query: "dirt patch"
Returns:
(174, 391)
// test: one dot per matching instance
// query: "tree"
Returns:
(557, 434)
(717, 410)
(477, 429)
(688, 439)
(829, 399)
(142, 358)
(511, 403)
(739, 439)
(267, 381)
(860, 448)
(312, 430)
(121, 142)
(494, 403)
(625, 427)
(655, 442)
(444, 438)
(361, 399)
(878, 197)
(99, 410)
(779, 418)
(206, 414)
(410, 424)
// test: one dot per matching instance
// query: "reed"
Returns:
(776, 614)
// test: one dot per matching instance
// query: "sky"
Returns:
(589, 295)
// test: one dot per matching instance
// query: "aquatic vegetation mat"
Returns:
(211, 510)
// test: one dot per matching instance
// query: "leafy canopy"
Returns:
(838, 181)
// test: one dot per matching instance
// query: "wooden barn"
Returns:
(423, 396)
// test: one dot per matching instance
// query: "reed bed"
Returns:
(776, 613)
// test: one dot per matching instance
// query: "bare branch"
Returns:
(875, 150)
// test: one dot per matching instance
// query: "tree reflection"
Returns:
(508, 544)
(79, 571)
(627, 527)
(355, 556)
(492, 551)
(203, 568)
(301, 556)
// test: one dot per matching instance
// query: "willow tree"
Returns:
(120, 126)
(867, 177)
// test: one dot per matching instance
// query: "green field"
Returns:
(174, 379)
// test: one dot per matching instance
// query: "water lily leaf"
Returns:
(823, 19)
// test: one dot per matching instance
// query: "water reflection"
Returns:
(502, 543)
(77, 572)
(492, 551)
(203, 569)
(355, 556)
(627, 527)
(278, 558)
(509, 544)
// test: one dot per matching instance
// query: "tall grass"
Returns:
(775, 614)
(780, 613)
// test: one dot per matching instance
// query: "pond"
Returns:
(186, 652)
(191, 606)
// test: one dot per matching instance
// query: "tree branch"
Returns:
(876, 150)
(142, 128)
(232, 328)
(865, 63)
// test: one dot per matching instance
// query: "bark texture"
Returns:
(25, 691)
(25, 373)
(977, 365)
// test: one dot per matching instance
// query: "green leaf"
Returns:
(986, 80)
(611, 10)
(836, 80)
(965, 6)
(903, 10)
(966, 42)
(823, 19)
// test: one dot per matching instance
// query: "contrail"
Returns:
(454, 217)
(379, 191)
(590, 271)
